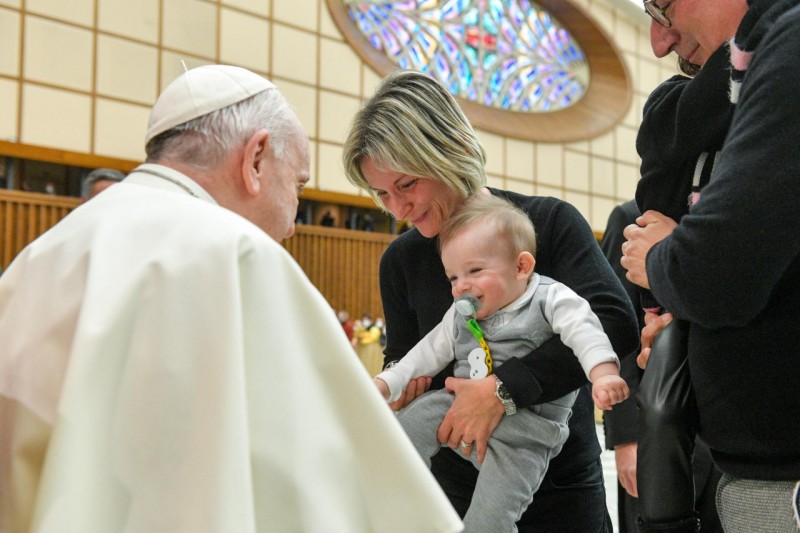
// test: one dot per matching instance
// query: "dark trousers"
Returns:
(671, 466)
(706, 478)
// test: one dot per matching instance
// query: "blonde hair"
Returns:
(413, 125)
(509, 222)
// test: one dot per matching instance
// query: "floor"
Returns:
(610, 475)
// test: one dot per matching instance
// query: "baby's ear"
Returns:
(525, 264)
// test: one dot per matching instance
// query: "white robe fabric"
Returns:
(167, 367)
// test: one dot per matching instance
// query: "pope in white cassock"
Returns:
(157, 373)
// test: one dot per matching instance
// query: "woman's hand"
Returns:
(475, 413)
(416, 388)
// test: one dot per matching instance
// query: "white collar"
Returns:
(166, 178)
(512, 308)
(523, 300)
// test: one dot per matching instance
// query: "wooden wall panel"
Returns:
(342, 264)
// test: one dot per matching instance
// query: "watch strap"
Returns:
(505, 398)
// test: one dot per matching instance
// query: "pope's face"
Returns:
(287, 177)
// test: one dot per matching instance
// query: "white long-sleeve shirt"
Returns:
(546, 308)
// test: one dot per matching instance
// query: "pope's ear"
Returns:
(254, 161)
(525, 264)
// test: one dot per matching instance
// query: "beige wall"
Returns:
(80, 75)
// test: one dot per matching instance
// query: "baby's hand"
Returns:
(608, 390)
(382, 386)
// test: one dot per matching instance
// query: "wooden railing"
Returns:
(26, 215)
(342, 264)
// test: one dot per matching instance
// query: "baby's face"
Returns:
(479, 261)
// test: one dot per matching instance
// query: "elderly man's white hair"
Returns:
(207, 112)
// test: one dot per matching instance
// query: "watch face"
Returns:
(502, 392)
(505, 398)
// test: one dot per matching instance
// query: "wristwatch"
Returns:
(502, 394)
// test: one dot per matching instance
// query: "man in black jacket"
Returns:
(732, 268)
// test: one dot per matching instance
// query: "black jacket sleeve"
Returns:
(682, 118)
(620, 422)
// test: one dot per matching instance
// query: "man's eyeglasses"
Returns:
(657, 13)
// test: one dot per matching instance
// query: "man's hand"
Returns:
(475, 413)
(625, 455)
(416, 388)
(650, 228)
(653, 324)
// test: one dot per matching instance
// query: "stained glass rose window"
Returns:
(538, 70)
(506, 54)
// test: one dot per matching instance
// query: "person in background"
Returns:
(347, 324)
(623, 424)
(327, 219)
(367, 336)
(157, 373)
(620, 424)
(729, 268)
(367, 223)
(381, 325)
(99, 180)
(413, 149)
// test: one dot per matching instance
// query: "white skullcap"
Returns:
(200, 91)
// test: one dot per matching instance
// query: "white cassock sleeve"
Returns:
(202, 389)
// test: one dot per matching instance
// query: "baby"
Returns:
(502, 310)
